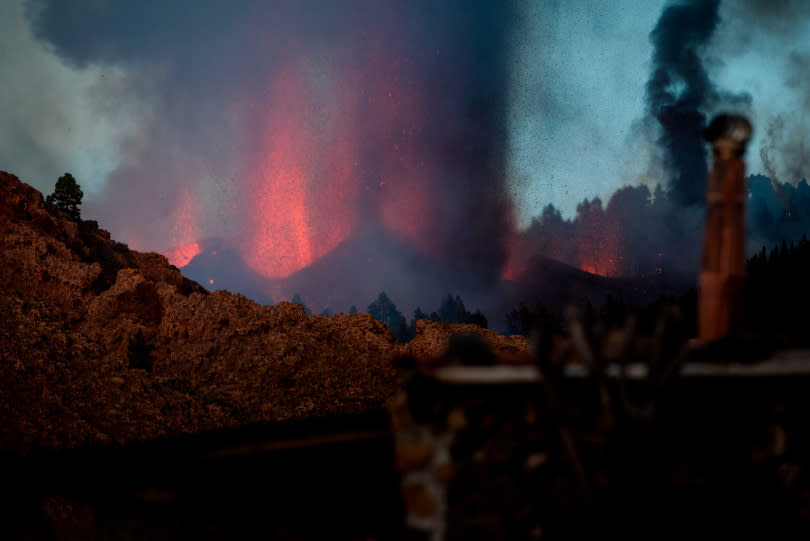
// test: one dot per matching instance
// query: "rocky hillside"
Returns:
(72, 300)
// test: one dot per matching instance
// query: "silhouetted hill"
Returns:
(557, 285)
(220, 267)
(369, 262)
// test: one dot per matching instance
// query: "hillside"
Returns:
(73, 298)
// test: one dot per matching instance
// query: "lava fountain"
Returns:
(300, 195)
(185, 232)
(333, 148)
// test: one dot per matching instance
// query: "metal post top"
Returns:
(729, 132)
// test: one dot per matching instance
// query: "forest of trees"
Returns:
(641, 232)
(777, 292)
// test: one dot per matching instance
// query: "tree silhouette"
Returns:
(452, 310)
(417, 315)
(67, 196)
(478, 319)
(385, 311)
(777, 292)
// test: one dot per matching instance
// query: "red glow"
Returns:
(181, 255)
(515, 259)
(406, 204)
(300, 201)
(185, 232)
(601, 259)
(592, 243)
(599, 255)
(330, 148)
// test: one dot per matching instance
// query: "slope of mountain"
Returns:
(557, 284)
(369, 262)
(72, 301)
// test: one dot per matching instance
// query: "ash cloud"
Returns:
(774, 32)
(208, 64)
(54, 115)
(785, 152)
(773, 17)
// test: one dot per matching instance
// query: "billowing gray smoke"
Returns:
(680, 93)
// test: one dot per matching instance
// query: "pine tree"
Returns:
(67, 196)
(385, 311)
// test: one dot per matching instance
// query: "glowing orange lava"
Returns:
(330, 146)
(516, 262)
(602, 261)
(301, 191)
(185, 232)
(180, 256)
(599, 255)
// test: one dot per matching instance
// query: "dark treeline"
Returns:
(776, 212)
(777, 292)
(635, 234)
(643, 233)
(451, 310)
(775, 307)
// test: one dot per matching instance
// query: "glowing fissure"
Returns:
(594, 242)
(179, 256)
(185, 232)
(300, 198)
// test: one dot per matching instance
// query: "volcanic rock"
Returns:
(437, 342)
(72, 299)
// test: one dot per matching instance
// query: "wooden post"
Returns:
(723, 264)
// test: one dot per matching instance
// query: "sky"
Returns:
(164, 115)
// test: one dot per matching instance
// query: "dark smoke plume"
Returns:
(679, 91)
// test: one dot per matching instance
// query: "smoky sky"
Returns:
(205, 67)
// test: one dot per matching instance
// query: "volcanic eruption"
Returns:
(282, 138)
